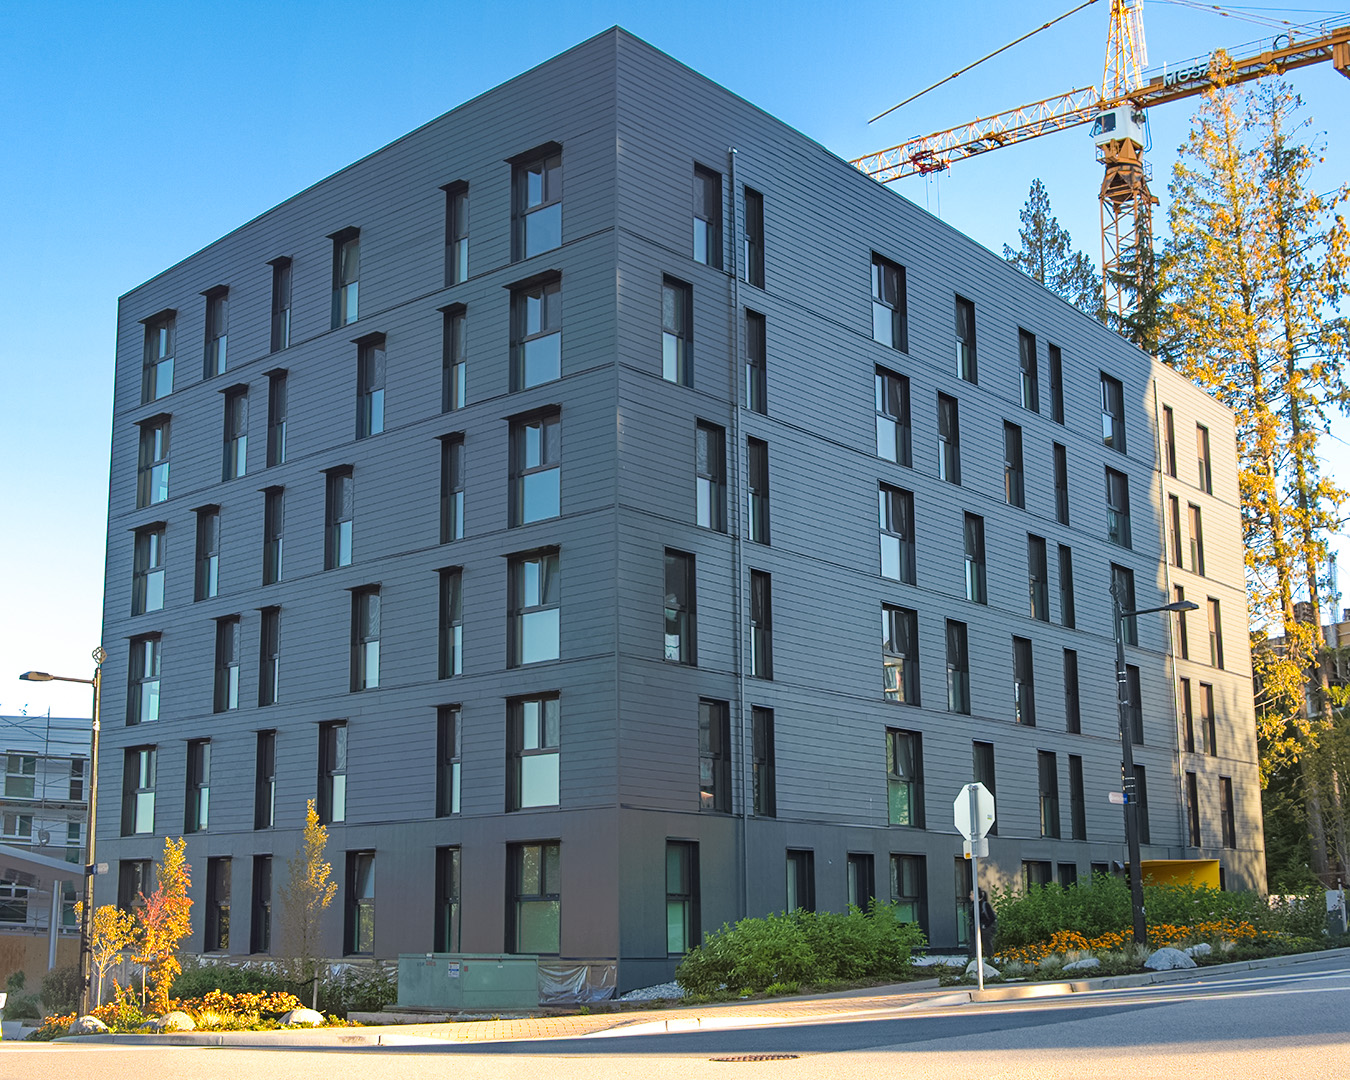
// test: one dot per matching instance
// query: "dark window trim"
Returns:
(547, 149)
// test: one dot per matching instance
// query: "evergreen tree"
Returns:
(1047, 255)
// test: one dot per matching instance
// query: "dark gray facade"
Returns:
(631, 127)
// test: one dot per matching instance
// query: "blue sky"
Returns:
(135, 133)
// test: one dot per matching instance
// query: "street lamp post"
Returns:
(1127, 756)
(87, 909)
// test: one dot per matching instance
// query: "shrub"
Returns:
(364, 988)
(20, 1006)
(198, 979)
(61, 990)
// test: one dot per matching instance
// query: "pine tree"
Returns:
(1047, 255)
(305, 895)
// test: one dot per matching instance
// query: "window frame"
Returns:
(545, 162)
(761, 625)
(900, 654)
(548, 575)
(282, 285)
(710, 476)
(276, 417)
(1047, 786)
(157, 359)
(958, 668)
(274, 526)
(339, 516)
(1113, 413)
(148, 569)
(143, 679)
(756, 363)
(152, 461)
(365, 638)
(754, 237)
(967, 365)
(1014, 475)
(714, 756)
(707, 216)
(891, 312)
(763, 770)
(456, 232)
(346, 277)
(949, 439)
(228, 663)
(1024, 682)
(527, 750)
(904, 774)
(197, 802)
(680, 636)
(536, 435)
(894, 429)
(217, 331)
(976, 570)
(452, 488)
(677, 331)
(449, 759)
(333, 761)
(546, 292)
(757, 490)
(372, 361)
(1029, 383)
(896, 527)
(454, 357)
(450, 622)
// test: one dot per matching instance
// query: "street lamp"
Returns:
(87, 909)
(1127, 756)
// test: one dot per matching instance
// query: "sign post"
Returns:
(973, 810)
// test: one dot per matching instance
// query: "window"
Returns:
(1207, 733)
(1077, 800)
(1193, 810)
(965, 341)
(1073, 720)
(1067, 616)
(677, 332)
(227, 664)
(359, 928)
(1056, 385)
(897, 533)
(276, 418)
(449, 737)
(1067, 874)
(908, 891)
(958, 668)
(1118, 508)
(536, 338)
(754, 238)
(1038, 578)
(1197, 542)
(281, 304)
(370, 362)
(135, 881)
(538, 201)
(338, 514)
(892, 394)
(861, 874)
(1179, 618)
(20, 776)
(974, 556)
(1024, 684)
(18, 828)
(889, 322)
(683, 931)
(756, 363)
(1215, 633)
(757, 489)
(532, 765)
(365, 665)
(447, 937)
(707, 217)
(1061, 484)
(904, 778)
(762, 763)
(535, 608)
(1037, 873)
(949, 440)
(346, 275)
(1169, 441)
(536, 898)
(217, 924)
(138, 790)
(274, 522)
(265, 781)
(1013, 491)
(1048, 778)
(1134, 709)
(1113, 413)
(454, 358)
(152, 464)
(143, 689)
(1187, 717)
(801, 881)
(536, 472)
(333, 772)
(260, 926)
(710, 470)
(982, 767)
(157, 367)
(450, 653)
(456, 233)
(1229, 812)
(1206, 473)
(217, 330)
(1140, 795)
(1122, 588)
(965, 910)
(1174, 520)
(679, 610)
(77, 780)
(761, 625)
(452, 488)
(207, 580)
(900, 654)
(147, 575)
(1026, 362)
(714, 755)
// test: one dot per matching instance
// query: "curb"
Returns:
(255, 1040)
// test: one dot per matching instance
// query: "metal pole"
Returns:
(1127, 771)
(975, 884)
(87, 911)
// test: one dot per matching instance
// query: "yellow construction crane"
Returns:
(1117, 112)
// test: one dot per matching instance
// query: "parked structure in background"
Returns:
(647, 520)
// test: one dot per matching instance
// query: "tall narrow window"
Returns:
(346, 276)
(536, 338)
(1205, 473)
(896, 508)
(965, 341)
(754, 238)
(892, 394)
(756, 363)
(1187, 717)
(338, 516)
(446, 938)
(1038, 578)
(450, 654)
(454, 357)
(456, 233)
(365, 639)
(973, 533)
(707, 217)
(1207, 732)
(147, 576)
(1169, 441)
(1179, 620)
(217, 330)
(904, 778)
(762, 762)
(1047, 772)
(1215, 633)
(449, 736)
(265, 781)
(1056, 385)
(682, 900)
(679, 611)
(1118, 508)
(1024, 684)
(227, 664)
(152, 465)
(281, 304)
(900, 654)
(370, 364)
(216, 926)
(333, 772)
(801, 881)
(757, 490)
(1067, 615)
(1174, 530)
(1192, 810)
(761, 625)
(1061, 484)
(276, 418)
(532, 769)
(958, 668)
(1029, 381)
(889, 321)
(1122, 588)
(909, 891)
(236, 433)
(359, 928)
(714, 755)
(143, 680)
(1134, 706)
(860, 872)
(135, 881)
(1113, 413)
(538, 202)
(1073, 719)
(1197, 542)
(198, 802)
(710, 472)
(677, 332)
(982, 768)
(535, 889)
(949, 440)
(260, 926)
(1014, 492)
(452, 488)
(274, 522)
(536, 468)
(1140, 795)
(1077, 799)
(139, 764)
(1229, 811)
(157, 366)
(269, 655)
(534, 608)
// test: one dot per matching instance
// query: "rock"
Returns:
(1202, 949)
(989, 972)
(1168, 959)
(86, 1025)
(1085, 964)
(174, 1021)
(308, 1017)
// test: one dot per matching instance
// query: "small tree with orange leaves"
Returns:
(163, 921)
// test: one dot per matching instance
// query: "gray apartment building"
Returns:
(620, 516)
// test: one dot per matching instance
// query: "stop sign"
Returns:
(973, 808)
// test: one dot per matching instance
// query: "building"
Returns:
(616, 533)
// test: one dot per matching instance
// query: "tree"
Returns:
(1047, 255)
(111, 931)
(305, 895)
(163, 920)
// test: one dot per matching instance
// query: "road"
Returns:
(1276, 1024)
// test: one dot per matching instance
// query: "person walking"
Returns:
(988, 924)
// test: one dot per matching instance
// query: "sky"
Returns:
(133, 133)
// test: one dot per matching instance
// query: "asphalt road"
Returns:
(1283, 1023)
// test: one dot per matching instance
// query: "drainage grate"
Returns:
(757, 1057)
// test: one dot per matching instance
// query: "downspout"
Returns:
(738, 561)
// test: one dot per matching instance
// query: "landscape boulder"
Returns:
(989, 972)
(1085, 964)
(1203, 949)
(1168, 959)
(86, 1025)
(307, 1017)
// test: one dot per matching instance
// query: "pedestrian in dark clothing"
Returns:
(988, 924)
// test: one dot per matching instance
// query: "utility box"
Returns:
(467, 981)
